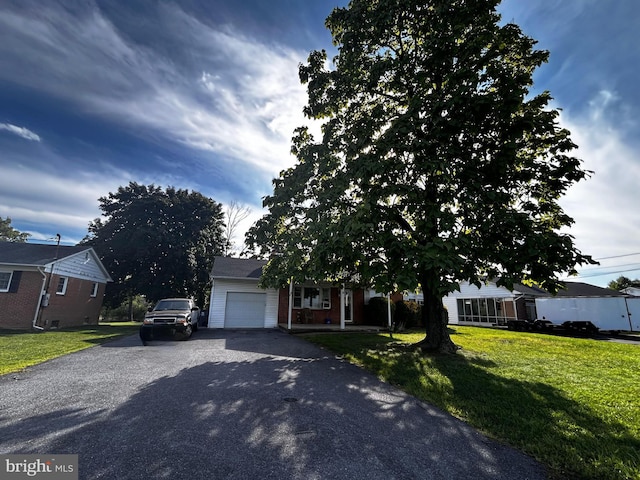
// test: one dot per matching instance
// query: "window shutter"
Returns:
(15, 282)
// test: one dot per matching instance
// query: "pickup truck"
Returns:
(175, 316)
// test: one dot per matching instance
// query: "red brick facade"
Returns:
(321, 315)
(18, 308)
(76, 307)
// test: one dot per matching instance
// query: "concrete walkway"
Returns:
(237, 405)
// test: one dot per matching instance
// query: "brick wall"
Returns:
(75, 307)
(320, 315)
(17, 308)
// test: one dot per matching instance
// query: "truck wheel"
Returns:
(187, 332)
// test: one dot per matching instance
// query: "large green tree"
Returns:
(436, 165)
(10, 234)
(158, 243)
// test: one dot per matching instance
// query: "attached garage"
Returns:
(245, 310)
(236, 299)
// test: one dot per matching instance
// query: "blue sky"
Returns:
(205, 95)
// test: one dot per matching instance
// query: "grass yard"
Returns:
(21, 349)
(573, 404)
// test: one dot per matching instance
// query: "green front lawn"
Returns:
(574, 404)
(20, 349)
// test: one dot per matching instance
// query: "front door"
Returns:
(348, 306)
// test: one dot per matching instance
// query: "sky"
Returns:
(204, 95)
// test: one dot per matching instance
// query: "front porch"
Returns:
(326, 328)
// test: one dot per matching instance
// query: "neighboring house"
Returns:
(484, 306)
(50, 286)
(238, 302)
(493, 305)
(633, 291)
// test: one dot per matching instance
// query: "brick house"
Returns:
(238, 302)
(49, 286)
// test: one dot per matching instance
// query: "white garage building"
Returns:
(236, 300)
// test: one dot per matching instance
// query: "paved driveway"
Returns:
(238, 405)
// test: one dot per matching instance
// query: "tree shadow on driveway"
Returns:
(264, 417)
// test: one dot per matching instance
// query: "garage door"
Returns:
(245, 310)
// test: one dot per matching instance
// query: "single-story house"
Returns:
(50, 286)
(238, 302)
(493, 305)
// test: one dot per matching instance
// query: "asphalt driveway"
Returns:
(237, 405)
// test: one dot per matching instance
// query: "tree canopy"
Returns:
(437, 164)
(10, 234)
(158, 243)
(623, 282)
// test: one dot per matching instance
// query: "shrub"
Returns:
(377, 312)
(126, 311)
(408, 315)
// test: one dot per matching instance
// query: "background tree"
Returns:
(235, 213)
(157, 243)
(436, 164)
(10, 234)
(623, 282)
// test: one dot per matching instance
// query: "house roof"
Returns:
(572, 289)
(531, 291)
(17, 253)
(579, 289)
(239, 268)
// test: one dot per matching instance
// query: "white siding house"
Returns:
(236, 299)
(488, 305)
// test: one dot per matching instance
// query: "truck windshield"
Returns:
(172, 305)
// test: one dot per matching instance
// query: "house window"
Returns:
(5, 281)
(312, 297)
(94, 289)
(482, 310)
(61, 289)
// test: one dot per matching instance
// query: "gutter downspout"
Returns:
(39, 305)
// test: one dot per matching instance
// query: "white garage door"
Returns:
(245, 310)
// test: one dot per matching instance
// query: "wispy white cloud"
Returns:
(604, 207)
(20, 131)
(239, 99)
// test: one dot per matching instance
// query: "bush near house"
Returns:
(408, 315)
(376, 311)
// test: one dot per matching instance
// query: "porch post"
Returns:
(342, 307)
(290, 304)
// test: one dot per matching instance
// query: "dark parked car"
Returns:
(177, 317)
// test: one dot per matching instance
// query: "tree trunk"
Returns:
(131, 308)
(435, 319)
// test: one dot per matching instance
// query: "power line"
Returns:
(618, 256)
(588, 270)
(609, 273)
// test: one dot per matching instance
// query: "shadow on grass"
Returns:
(535, 417)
